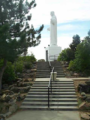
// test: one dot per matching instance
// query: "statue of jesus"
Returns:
(53, 30)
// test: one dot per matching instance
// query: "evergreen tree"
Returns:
(75, 42)
(16, 35)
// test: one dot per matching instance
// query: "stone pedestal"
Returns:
(52, 53)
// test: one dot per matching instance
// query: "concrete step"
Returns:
(53, 90)
(51, 103)
(48, 71)
(56, 81)
(53, 87)
(51, 99)
(48, 76)
(43, 74)
(60, 108)
(57, 93)
(51, 96)
(53, 82)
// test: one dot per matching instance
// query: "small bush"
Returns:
(18, 66)
(28, 65)
(32, 58)
(71, 66)
(9, 74)
(41, 60)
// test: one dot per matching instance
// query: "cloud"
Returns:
(65, 10)
(67, 27)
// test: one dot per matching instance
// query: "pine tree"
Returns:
(16, 35)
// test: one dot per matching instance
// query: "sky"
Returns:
(73, 17)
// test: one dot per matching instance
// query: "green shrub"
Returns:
(28, 65)
(9, 74)
(18, 66)
(71, 66)
(32, 58)
(41, 60)
(66, 55)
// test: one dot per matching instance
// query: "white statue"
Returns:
(53, 30)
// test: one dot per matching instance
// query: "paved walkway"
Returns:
(45, 115)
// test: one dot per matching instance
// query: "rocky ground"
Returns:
(83, 99)
(12, 96)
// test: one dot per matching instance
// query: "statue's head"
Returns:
(52, 13)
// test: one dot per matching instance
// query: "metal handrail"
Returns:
(50, 66)
(50, 85)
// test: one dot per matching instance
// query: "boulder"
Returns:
(8, 114)
(12, 101)
(71, 72)
(26, 80)
(68, 74)
(82, 105)
(3, 97)
(84, 88)
(83, 93)
(33, 70)
(8, 92)
(88, 82)
(85, 116)
(13, 108)
(32, 75)
(7, 98)
(88, 99)
(14, 96)
(76, 74)
(27, 71)
(82, 97)
(15, 89)
(20, 97)
(19, 79)
(2, 117)
(11, 86)
(24, 89)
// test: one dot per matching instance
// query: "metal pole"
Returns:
(48, 97)
(51, 85)
(53, 74)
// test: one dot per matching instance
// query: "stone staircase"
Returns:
(43, 70)
(58, 68)
(63, 96)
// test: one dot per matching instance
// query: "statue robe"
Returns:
(53, 31)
